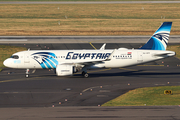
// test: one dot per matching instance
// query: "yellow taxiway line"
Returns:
(92, 45)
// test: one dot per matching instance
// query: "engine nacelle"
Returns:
(65, 70)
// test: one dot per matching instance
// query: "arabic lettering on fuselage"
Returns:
(72, 55)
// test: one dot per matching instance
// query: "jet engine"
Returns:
(65, 70)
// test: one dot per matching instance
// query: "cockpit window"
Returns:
(15, 57)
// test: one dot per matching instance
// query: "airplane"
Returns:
(68, 62)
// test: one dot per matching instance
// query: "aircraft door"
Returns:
(139, 57)
(26, 57)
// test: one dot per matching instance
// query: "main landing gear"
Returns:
(27, 73)
(85, 74)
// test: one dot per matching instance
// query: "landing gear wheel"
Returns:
(27, 73)
(27, 76)
(86, 75)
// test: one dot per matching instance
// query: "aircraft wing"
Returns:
(90, 63)
(100, 61)
(110, 57)
(87, 63)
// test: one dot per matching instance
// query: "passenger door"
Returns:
(26, 58)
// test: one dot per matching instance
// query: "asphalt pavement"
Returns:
(79, 39)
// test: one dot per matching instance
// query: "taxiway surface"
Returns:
(44, 88)
(79, 39)
(45, 96)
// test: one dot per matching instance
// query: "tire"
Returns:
(27, 75)
(86, 75)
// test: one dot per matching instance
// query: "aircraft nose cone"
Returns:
(5, 63)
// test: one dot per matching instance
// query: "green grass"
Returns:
(6, 52)
(147, 96)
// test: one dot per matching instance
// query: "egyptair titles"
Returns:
(72, 55)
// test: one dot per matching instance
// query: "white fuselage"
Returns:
(49, 59)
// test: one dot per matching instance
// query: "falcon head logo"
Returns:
(162, 37)
(45, 59)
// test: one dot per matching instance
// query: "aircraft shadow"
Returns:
(139, 73)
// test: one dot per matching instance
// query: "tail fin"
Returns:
(160, 38)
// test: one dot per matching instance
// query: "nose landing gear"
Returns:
(27, 73)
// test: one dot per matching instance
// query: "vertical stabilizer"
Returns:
(160, 38)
